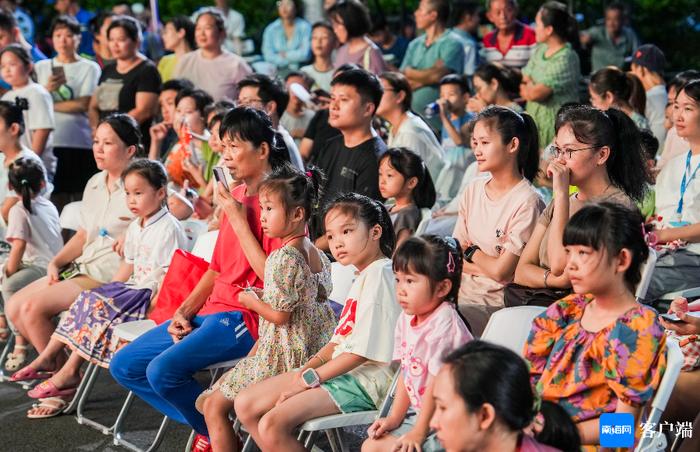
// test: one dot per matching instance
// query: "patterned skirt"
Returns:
(87, 326)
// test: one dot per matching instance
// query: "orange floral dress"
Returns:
(587, 373)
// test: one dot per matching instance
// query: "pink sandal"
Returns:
(47, 389)
(29, 373)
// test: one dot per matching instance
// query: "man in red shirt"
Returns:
(512, 42)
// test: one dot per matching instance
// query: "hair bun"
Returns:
(22, 103)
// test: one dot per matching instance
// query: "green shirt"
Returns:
(605, 52)
(447, 48)
(561, 73)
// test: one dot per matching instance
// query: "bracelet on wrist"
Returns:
(546, 275)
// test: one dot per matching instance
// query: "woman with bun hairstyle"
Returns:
(551, 77)
(610, 87)
(92, 256)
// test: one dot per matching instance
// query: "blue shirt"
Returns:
(83, 17)
(296, 50)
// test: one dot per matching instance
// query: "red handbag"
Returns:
(184, 273)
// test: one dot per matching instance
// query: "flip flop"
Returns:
(47, 389)
(57, 404)
(29, 373)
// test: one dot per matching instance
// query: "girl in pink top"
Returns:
(497, 214)
(428, 272)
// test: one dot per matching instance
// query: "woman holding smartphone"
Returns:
(71, 80)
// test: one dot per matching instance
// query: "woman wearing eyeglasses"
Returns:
(601, 154)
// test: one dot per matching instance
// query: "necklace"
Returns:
(292, 238)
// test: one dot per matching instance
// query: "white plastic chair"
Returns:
(425, 216)
(204, 247)
(333, 424)
(510, 327)
(647, 273)
(193, 230)
(70, 216)
(342, 277)
(674, 362)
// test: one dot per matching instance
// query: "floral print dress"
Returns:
(290, 286)
(588, 372)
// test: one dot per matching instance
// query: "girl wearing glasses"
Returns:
(601, 154)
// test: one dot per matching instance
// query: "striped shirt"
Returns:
(518, 52)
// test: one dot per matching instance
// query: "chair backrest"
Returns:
(390, 395)
(70, 216)
(193, 229)
(342, 277)
(647, 273)
(425, 216)
(510, 327)
(204, 247)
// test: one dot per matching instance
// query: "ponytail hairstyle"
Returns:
(613, 128)
(508, 78)
(127, 129)
(254, 126)
(410, 164)
(483, 373)
(556, 15)
(511, 124)
(11, 113)
(369, 212)
(436, 257)
(296, 189)
(23, 55)
(611, 227)
(26, 177)
(625, 88)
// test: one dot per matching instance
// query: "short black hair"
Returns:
(269, 89)
(463, 8)
(366, 84)
(323, 24)
(7, 20)
(219, 19)
(65, 21)
(202, 99)
(177, 84)
(455, 79)
(131, 27)
(442, 8)
(650, 144)
(184, 23)
(151, 170)
(354, 16)
(617, 6)
(99, 20)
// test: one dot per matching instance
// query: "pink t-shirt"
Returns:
(496, 226)
(421, 348)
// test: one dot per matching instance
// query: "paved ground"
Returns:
(63, 433)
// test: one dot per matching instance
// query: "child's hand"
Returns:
(382, 426)
(52, 272)
(249, 299)
(678, 306)
(475, 105)
(118, 245)
(411, 441)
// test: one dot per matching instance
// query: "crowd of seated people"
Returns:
(454, 175)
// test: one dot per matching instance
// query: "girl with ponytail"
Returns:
(404, 177)
(551, 77)
(352, 371)
(611, 87)
(34, 234)
(295, 317)
(497, 214)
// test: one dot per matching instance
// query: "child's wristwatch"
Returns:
(310, 378)
(469, 253)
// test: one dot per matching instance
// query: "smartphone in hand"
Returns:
(58, 71)
(220, 176)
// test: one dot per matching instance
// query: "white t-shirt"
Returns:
(370, 313)
(323, 79)
(668, 192)
(38, 116)
(291, 122)
(414, 134)
(294, 154)
(421, 348)
(72, 129)
(150, 248)
(25, 153)
(40, 229)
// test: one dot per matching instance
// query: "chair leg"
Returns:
(190, 441)
(9, 345)
(310, 440)
(117, 432)
(79, 415)
(85, 383)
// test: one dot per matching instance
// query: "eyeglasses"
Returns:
(249, 102)
(561, 153)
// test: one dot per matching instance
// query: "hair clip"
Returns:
(450, 262)
(24, 182)
(308, 174)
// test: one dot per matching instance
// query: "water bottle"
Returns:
(432, 109)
